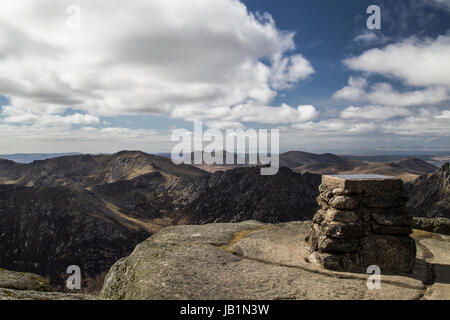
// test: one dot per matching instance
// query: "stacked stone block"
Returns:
(361, 222)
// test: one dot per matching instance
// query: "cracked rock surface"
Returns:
(248, 260)
(436, 253)
(28, 286)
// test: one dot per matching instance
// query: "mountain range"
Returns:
(404, 168)
(91, 210)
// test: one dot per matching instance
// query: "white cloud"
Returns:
(249, 112)
(43, 138)
(421, 67)
(423, 70)
(160, 57)
(289, 70)
(15, 115)
(444, 3)
(424, 122)
(371, 37)
(444, 115)
(417, 63)
(366, 37)
(383, 93)
(283, 114)
(222, 125)
(354, 91)
(374, 112)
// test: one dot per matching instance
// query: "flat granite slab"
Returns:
(360, 183)
(436, 252)
(249, 261)
(361, 177)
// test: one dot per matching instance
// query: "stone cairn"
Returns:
(361, 222)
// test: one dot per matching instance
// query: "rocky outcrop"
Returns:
(28, 286)
(248, 260)
(23, 281)
(435, 225)
(362, 222)
(430, 194)
(10, 294)
(434, 249)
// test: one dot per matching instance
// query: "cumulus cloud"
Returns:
(409, 104)
(422, 70)
(20, 116)
(371, 38)
(249, 112)
(222, 125)
(366, 37)
(355, 90)
(61, 138)
(425, 122)
(443, 3)
(383, 93)
(283, 114)
(374, 112)
(161, 57)
(444, 115)
(417, 63)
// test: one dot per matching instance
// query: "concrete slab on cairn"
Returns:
(361, 222)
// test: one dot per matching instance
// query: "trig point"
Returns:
(361, 222)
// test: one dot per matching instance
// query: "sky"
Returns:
(103, 76)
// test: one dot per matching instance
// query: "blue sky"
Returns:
(325, 33)
(122, 76)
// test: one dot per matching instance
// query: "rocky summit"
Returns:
(92, 211)
(253, 260)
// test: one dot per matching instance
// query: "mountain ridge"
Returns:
(89, 170)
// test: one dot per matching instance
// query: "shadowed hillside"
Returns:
(243, 194)
(46, 229)
(430, 194)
